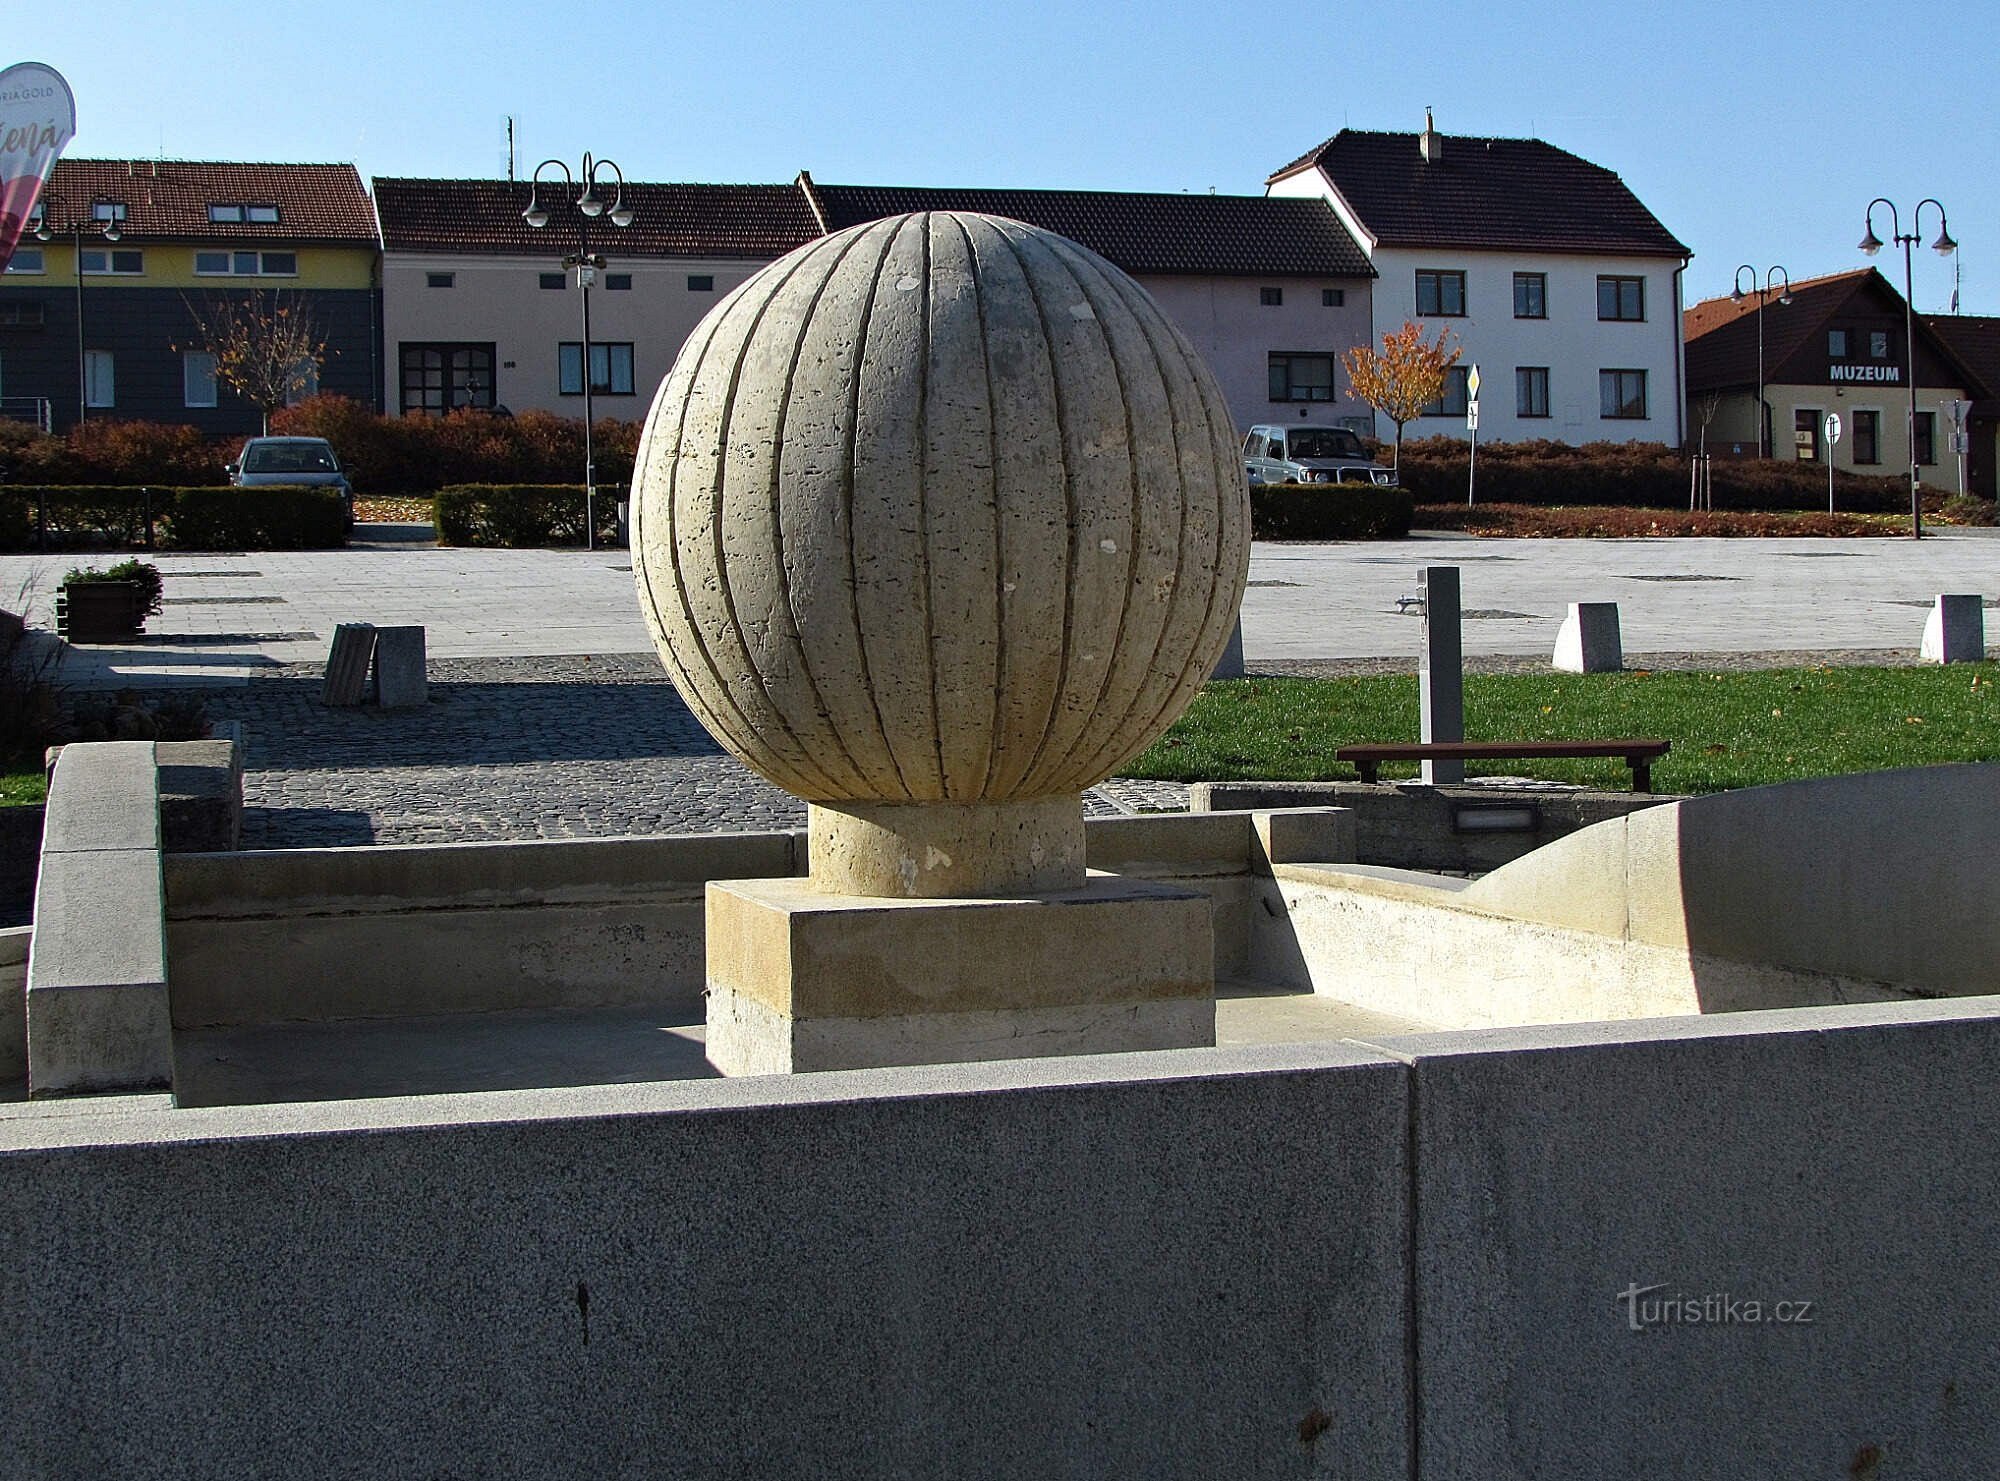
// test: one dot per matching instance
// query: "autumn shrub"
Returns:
(422, 454)
(1295, 511)
(1624, 523)
(124, 452)
(1644, 475)
(277, 517)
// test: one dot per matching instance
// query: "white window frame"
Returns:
(109, 256)
(198, 378)
(100, 380)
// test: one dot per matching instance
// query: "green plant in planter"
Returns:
(143, 574)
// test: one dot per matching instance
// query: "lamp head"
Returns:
(1944, 246)
(111, 231)
(589, 204)
(536, 216)
(621, 215)
(1870, 243)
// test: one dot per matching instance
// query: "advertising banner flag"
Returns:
(37, 118)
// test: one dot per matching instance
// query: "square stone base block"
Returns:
(800, 980)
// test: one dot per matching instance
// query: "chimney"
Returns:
(1430, 142)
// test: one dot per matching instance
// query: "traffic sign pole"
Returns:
(1832, 441)
(1472, 426)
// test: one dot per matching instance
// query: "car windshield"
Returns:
(1323, 442)
(290, 457)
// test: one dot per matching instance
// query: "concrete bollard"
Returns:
(347, 664)
(1955, 630)
(1441, 672)
(1589, 642)
(400, 681)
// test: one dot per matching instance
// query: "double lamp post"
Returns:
(1944, 246)
(107, 226)
(589, 205)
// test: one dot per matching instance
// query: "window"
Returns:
(246, 264)
(1271, 298)
(610, 369)
(99, 382)
(107, 210)
(1440, 295)
(701, 283)
(1302, 377)
(1456, 394)
(1836, 344)
(1531, 299)
(1867, 436)
(1621, 394)
(232, 211)
(197, 378)
(120, 264)
(261, 213)
(1531, 390)
(440, 280)
(1878, 344)
(21, 313)
(617, 282)
(1621, 298)
(437, 378)
(1333, 298)
(552, 280)
(1805, 434)
(27, 260)
(1927, 437)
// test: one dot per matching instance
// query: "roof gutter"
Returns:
(805, 185)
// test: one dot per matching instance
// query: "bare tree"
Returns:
(267, 347)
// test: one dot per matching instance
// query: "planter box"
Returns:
(99, 611)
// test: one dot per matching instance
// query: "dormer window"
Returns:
(231, 211)
(107, 210)
(265, 214)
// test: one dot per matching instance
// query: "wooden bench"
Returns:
(1638, 754)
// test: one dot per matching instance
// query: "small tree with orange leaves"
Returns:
(1405, 377)
(267, 349)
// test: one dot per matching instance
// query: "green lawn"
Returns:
(21, 781)
(1728, 730)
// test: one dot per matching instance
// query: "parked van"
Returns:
(1302, 454)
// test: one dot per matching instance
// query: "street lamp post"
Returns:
(74, 230)
(1785, 296)
(589, 205)
(1944, 246)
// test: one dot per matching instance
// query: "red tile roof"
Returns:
(1721, 333)
(1201, 235)
(1975, 339)
(171, 197)
(1502, 195)
(758, 222)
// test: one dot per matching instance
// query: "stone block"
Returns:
(1955, 630)
(97, 1011)
(400, 678)
(803, 980)
(347, 663)
(1441, 672)
(109, 798)
(1305, 835)
(1588, 641)
(201, 796)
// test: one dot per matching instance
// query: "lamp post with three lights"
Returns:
(589, 206)
(1944, 246)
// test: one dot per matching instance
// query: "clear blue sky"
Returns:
(1756, 132)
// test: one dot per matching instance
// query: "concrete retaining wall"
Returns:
(1185, 1265)
(14, 943)
(573, 923)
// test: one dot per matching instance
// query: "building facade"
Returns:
(105, 318)
(1974, 339)
(480, 310)
(1830, 345)
(1549, 274)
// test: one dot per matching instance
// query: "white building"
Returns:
(1557, 282)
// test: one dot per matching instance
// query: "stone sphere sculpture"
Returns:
(939, 510)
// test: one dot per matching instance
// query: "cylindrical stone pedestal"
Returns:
(945, 850)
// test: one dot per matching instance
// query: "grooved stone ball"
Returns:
(941, 508)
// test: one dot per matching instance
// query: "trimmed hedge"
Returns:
(114, 517)
(276, 517)
(1635, 475)
(522, 515)
(1318, 511)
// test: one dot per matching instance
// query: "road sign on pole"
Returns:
(1472, 385)
(1832, 441)
(1472, 426)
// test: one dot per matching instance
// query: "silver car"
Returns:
(1277, 454)
(310, 461)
